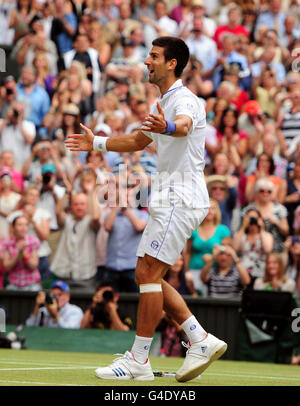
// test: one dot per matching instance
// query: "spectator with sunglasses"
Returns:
(265, 168)
(273, 213)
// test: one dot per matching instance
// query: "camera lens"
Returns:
(108, 295)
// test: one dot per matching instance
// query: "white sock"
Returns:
(141, 348)
(193, 330)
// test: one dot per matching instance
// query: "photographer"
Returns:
(103, 312)
(52, 309)
(224, 273)
(252, 243)
(16, 133)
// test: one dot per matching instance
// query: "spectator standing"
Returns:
(8, 200)
(20, 257)
(21, 17)
(75, 257)
(34, 97)
(202, 47)
(289, 120)
(273, 17)
(59, 312)
(125, 225)
(234, 25)
(8, 92)
(16, 133)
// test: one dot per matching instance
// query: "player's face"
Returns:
(157, 65)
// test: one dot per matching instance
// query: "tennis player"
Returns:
(179, 203)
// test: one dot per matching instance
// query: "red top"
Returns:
(224, 29)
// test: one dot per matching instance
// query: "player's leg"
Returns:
(135, 363)
(203, 348)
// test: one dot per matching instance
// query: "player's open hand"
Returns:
(80, 142)
(155, 123)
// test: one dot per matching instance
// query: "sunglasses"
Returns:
(218, 188)
(265, 191)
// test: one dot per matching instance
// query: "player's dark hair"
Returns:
(174, 48)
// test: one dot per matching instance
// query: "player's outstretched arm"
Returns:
(136, 141)
(180, 127)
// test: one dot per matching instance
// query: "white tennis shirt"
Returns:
(179, 180)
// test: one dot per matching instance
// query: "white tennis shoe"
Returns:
(199, 356)
(126, 368)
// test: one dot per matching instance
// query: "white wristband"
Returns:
(99, 143)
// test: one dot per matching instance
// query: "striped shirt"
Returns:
(224, 285)
(290, 126)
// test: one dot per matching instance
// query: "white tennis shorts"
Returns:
(168, 230)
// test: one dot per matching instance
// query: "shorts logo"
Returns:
(154, 245)
(193, 327)
(146, 347)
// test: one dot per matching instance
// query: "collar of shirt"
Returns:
(176, 85)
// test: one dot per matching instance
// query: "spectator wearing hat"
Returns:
(42, 153)
(16, 133)
(225, 194)
(70, 122)
(55, 309)
(20, 257)
(8, 200)
(251, 122)
(34, 96)
(75, 257)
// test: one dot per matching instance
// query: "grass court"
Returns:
(53, 368)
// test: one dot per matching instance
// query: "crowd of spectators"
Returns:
(78, 217)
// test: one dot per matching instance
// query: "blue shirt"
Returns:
(37, 103)
(123, 242)
(278, 67)
(267, 18)
(65, 42)
(205, 51)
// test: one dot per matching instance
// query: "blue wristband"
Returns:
(171, 127)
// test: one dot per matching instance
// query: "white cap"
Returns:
(102, 127)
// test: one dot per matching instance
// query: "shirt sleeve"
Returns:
(190, 107)
(71, 319)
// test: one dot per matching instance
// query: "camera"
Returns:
(15, 113)
(253, 221)
(46, 178)
(49, 298)
(108, 296)
(222, 248)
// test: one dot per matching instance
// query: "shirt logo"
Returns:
(193, 327)
(154, 245)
